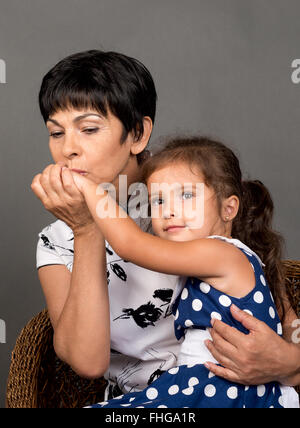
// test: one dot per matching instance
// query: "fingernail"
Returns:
(235, 308)
(212, 321)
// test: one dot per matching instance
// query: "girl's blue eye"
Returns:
(187, 195)
(156, 201)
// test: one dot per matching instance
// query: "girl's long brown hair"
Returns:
(221, 170)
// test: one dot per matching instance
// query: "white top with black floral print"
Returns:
(143, 343)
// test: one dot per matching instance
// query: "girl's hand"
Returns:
(80, 181)
(61, 196)
(251, 359)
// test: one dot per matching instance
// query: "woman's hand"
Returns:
(61, 196)
(251, 359)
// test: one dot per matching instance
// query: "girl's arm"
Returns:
(201, 257)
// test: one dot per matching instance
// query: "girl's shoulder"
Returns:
(239, 244)
(242, 270)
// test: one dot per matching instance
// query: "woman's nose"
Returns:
(71, 147)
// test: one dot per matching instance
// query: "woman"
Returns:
(99, 108)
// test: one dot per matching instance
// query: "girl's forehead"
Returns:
(179, 172)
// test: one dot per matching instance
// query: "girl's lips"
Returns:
(174, 228)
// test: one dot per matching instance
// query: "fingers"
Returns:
(223, 372)
(222, 350)
(229, 334)
(77, 179)
(54, 188)
(38, 189)
(249, 322)
(51, 181)
(69, 182)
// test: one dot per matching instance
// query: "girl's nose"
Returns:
(169, 211)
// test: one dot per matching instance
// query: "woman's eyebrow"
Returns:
(83, 116)
(54, 121)
(76, 119)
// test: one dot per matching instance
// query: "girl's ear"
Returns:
(137, 146)
(230, 208)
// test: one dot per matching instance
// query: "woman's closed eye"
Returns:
(90, 130)
(56, 134)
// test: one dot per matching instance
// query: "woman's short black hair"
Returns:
(104, 81)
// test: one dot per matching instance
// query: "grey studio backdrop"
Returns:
(221, 67)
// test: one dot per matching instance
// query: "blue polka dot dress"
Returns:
(193, 385)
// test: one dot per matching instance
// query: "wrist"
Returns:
(87, 231)
(291, 377)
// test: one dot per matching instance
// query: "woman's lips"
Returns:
(79, 171)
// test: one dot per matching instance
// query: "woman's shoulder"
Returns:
(57, 231)
(55, 245)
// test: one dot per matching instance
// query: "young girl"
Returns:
(214, 230)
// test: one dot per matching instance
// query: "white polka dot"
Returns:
(174, 370)
(258, 297)
(279, 329)
(262, 280)
(193, 381)
(173, 389)
(205, 288)
(280, 400)
(216, 315)
(176, 315)
(125, 405)
(131, 399)
(232, 392)
(152, 393)
(248, 312)
(104, 403)
(209, 391)
(119, 398)
(249, 254)
(224, 300)
(162, 407)
(271, 312)
(261, 389)
(197, 305)
(140, 407)
(188, 391)
(188, 323)
(272, 297)
(210, 375)
(189, 366)
(184, 294)
(252, 266)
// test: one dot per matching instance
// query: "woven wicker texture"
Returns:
(38, 379)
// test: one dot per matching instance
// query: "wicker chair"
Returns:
(38, 379)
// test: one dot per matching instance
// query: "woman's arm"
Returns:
(77, 302)
(82, 331)
(190, 258)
